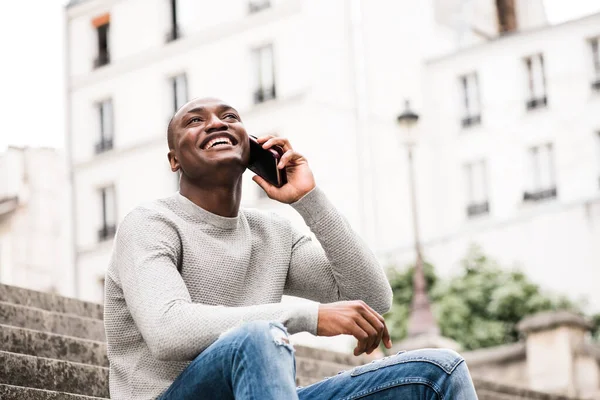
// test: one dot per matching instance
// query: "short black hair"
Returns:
(171, 134)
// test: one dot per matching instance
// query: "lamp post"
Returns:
(421, 319)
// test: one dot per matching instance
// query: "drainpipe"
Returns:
(366, 193)
(69, 153)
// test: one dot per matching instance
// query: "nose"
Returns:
(215, 124)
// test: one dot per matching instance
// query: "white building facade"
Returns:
(35, 241)
(332, 76)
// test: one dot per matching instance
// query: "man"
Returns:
(194, 285)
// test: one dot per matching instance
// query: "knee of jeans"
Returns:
(446, 359)
(265, 333)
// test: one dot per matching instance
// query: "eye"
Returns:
(194, 119)
(230, 115)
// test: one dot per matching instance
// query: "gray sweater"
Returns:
(180, 276)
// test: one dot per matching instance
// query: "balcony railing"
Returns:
(102, 59)
(471, 121)
(104, 145)
(475, 209)
(539, 195)
(106, 232)
(537, 103)
(256, 6)
(264, 93)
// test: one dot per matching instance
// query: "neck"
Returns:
(223, 200)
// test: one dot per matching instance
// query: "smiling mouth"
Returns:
(219, 141)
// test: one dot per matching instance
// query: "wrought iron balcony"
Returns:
(539, 195)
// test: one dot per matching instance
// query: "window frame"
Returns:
(262, 91)
(107, 228)
(106, 131)
(537, 97)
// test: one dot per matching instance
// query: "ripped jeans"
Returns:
(256, 361)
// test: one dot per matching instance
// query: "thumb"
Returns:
(266, 186)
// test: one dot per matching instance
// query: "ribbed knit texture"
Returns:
(180, 276)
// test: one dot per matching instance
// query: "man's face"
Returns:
(208, 138)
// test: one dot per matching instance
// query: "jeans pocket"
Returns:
(377, 364)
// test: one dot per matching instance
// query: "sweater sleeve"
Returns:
(342, 267)
(147, 247)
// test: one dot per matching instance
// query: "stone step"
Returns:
(9, 392)
(318, 369)
(487, 390)
(50, 302)
(332, 356)
(49, 345)
(48, 321)
(54, 375)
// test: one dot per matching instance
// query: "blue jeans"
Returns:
(256, 361)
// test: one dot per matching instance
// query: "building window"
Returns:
(264, 74)
(477, 193)
(258, 5)
(174, 33)
(507, 17)
(598, 153)
(536, 76)
(108, 205)
(542, 181)
(102, 25)
(595, 43)
(106, 125)
(469, 86)
(179, 91)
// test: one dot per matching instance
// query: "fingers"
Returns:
(387, 340)
(270, 141)
(376, 322)
(362, 337)
(372, 340)
(285, 159)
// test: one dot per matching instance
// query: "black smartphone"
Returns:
(263, 162)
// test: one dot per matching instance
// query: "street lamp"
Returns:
(421, 320)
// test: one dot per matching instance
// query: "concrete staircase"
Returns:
(53, 348)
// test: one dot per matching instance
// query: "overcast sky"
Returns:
(31, 78)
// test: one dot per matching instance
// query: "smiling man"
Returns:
(194, 287)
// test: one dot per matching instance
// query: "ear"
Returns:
(173, 161)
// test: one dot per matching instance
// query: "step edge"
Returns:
(55, 295)
(2, 303)
(76, 338)
(20, 355)
(83, 396)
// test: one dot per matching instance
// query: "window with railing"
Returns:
(179, 91)
(108, 203)
(255, 6)
(597, 137)
(102, 26)
(264, 74)
(477, 188)
(471, 103)
(542, 179)
(536, 76)
(174, 31)
(595, 45)
(104, 111)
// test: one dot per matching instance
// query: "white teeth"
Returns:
(219, 140)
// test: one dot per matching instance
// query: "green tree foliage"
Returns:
(478, 307)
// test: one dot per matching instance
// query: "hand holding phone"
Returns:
(263, 162)
(298, 179)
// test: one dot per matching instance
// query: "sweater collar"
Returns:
(202, 215)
